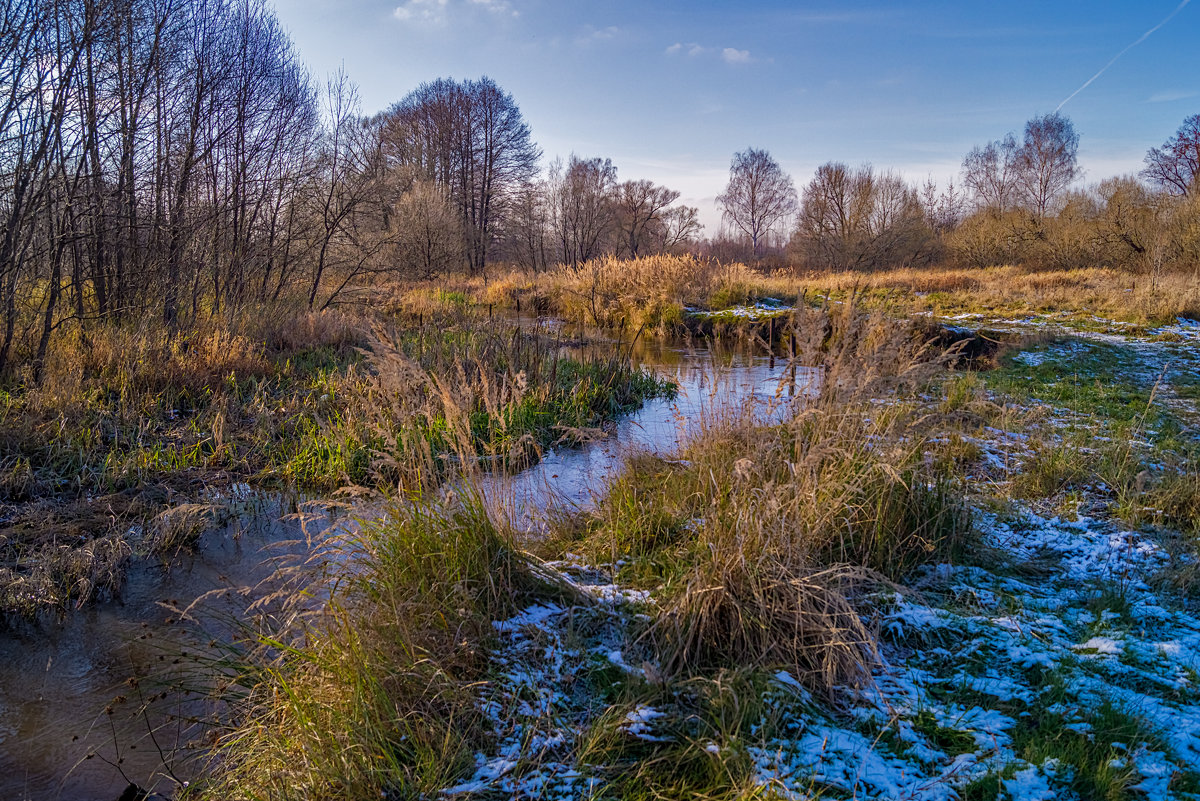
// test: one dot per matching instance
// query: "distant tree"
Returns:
(989, 238)
(1176, 165)
(758, 197)
(344, 191)
(582, 207)
(1047, 160)
(680, 227)
(472, 141)
(429, 236)
(639, 207)
(528, 234)
(1128, 221)
(944, 209)
(990, 173)
(859, 219)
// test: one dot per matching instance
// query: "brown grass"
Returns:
(1015, 290)
(654, 290)
(759, 543)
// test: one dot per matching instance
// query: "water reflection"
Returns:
(710, 385)
(59, 678)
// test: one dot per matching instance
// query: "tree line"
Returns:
(173, 159)
(1017, 202)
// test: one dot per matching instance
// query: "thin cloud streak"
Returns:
(1112, 61)
(1171, 96)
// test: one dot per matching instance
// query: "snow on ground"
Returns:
(539, 701)
(759, 310)
(972, 656)
(1061, 636)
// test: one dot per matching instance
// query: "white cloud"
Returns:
(437, 12)
(501, 7)
(593, 35)
(730, 55)
(421, 11)
(1170, 96)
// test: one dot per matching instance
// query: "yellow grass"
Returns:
(1014, 290)
(654, 290)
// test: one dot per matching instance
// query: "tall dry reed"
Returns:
(759, 542)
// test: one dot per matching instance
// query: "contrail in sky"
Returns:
(1139, 40)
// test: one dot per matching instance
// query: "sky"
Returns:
(671, 90)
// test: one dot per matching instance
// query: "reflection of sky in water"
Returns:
(575, 477)
(59, 677)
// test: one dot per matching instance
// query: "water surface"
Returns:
(59, 679)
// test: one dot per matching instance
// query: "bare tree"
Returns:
(758, 197)
(582, 207)
(1047, 160)
(1176, 165)
(990, 173)
(680, 227)
(528, 226)
(156, 149)
(350, 232)
(471, 140)
(640, 205)
(429, 237)
(944, 209)
(859, 219)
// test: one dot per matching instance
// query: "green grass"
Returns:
(952, 741)
(372, 697)
(1100, 765)
(1094, 382)
(1054, 467)
(700, 750)
(1117, 433)
(729, 295)
(315, 414)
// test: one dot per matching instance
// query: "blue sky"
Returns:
(670, 90)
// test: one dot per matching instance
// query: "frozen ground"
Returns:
(763, 309)
(1061, 661)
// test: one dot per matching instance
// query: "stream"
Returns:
(60, 678)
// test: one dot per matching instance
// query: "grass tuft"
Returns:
(371, 696)
(758, 541)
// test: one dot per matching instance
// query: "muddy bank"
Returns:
(81, 713)
(66, 691)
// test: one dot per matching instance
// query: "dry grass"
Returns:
(648, 292)
(758, 543)
(370, 696)
(57, 575)
(1015, 290)
(654, 290)
(178, 528)
(138, 362)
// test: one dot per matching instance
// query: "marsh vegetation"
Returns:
(913, 509)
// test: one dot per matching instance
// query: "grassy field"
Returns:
(123, 445)
(935, 578)
(662, 292)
